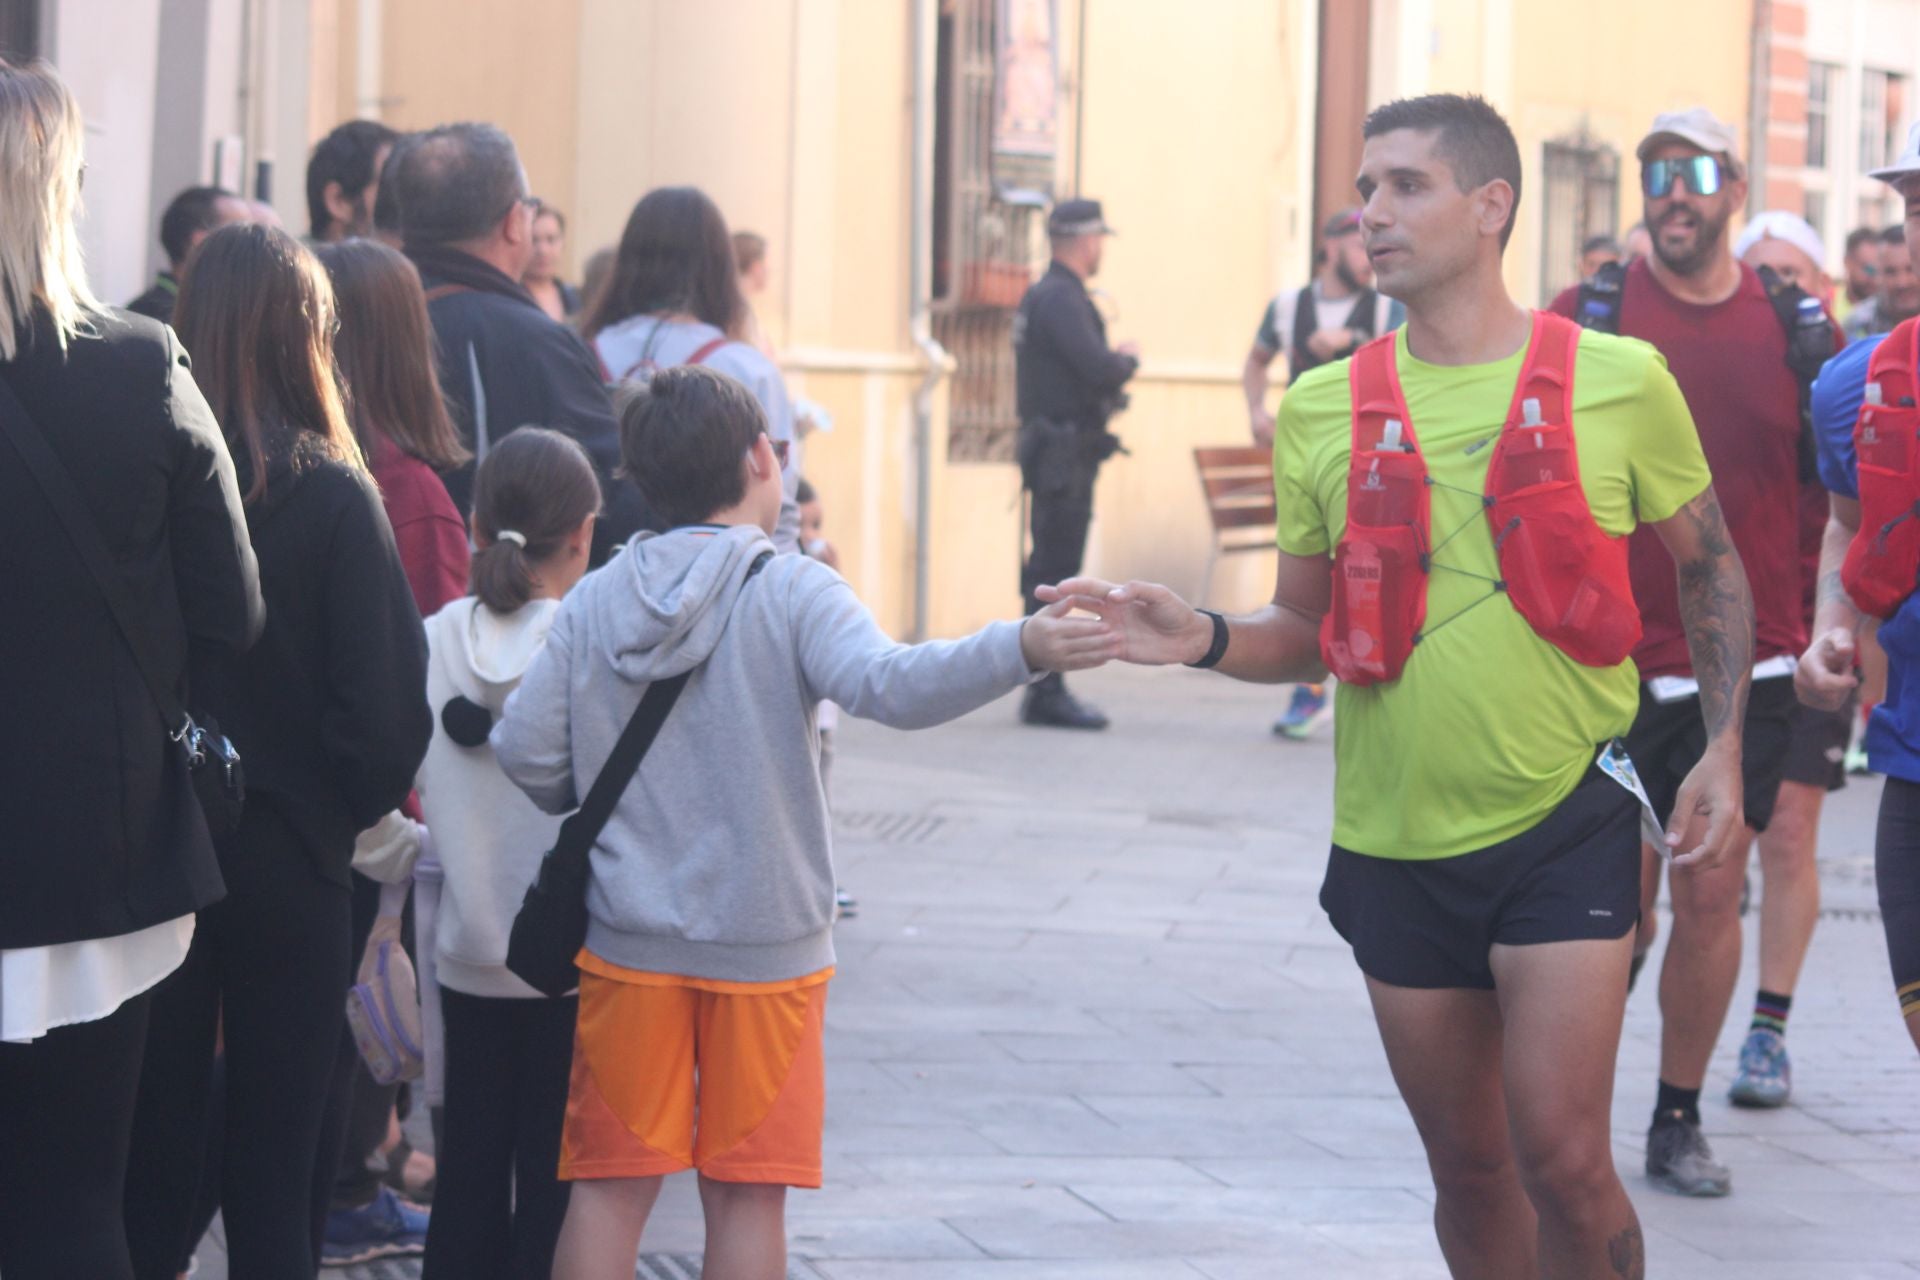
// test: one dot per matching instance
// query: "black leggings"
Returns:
(499, 1204)
(269, 963)
(1896, 871)
(66, 1111)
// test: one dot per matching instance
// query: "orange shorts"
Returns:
(673, 1073)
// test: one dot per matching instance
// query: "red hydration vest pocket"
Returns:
(1884, 556)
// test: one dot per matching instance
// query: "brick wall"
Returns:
(1782, 42)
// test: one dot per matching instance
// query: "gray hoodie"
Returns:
(717, 863)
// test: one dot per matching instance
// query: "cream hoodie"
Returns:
(489, 837)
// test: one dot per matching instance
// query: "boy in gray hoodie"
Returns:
(709, 947)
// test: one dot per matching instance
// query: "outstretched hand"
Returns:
(1058, 639)
(1150, 625)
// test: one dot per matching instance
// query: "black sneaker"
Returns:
(1679, 1159)
(1049, 704)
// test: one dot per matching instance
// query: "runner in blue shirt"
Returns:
(1826, 676)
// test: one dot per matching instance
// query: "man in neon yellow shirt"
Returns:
(1485, 869)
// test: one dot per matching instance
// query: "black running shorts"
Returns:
(1817, 754)
(1668, 739)
(1575, 876)
(1896, 871)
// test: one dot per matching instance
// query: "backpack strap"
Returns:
(1365, 318)
(1893, 365)
(1377, 397)
(700, 356)
(1547, 373)
(1306, 318)
(1600, 295)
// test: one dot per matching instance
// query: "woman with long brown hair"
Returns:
(674, 298)
(384, 351)
(385, 354)
(329, 712)
(105, 855)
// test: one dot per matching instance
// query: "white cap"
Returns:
(1695, 125)
(1907, 166)
(1778, 224)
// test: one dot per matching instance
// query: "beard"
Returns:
(1348, 276)
(1709, 233)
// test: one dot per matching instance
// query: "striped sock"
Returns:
(1770, 1012)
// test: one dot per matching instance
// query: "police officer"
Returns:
(1069, 383)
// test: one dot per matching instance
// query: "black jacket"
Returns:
(158, 301)
(100, 833)
(504, 363)
(1063, 368)
(329, 709)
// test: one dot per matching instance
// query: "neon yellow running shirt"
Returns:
(1489, 727)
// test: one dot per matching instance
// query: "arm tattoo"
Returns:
(1627, 1252)
(1831, 590)
(1716, 607)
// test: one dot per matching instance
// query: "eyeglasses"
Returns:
(1701, 174)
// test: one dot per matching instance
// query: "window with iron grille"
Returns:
(986, 236)
(1579, 198)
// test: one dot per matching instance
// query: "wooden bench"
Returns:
(1238, 483)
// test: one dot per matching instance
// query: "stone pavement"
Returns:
(1090, 1023)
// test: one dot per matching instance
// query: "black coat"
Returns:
(504, 363)
(329, 709)
(1063, 368)
(100, 833)
(158, 301)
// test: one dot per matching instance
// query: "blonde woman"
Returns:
(106, 856)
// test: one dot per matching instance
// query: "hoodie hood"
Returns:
(663, 604)
(486, 653)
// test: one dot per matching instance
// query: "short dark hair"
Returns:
(804, 492)
(1860, 237)
(683, 436)
(749, 247)
(456, 183)
(1894, 235)
(675, 255)
(386, 202)
(344, 156)
(1595, 244)
(1474, 139)
(188, 214)
(545, 210)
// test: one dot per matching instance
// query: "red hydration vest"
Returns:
(1563, 572)
(1884, 556)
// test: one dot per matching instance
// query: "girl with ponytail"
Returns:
(508, 1049)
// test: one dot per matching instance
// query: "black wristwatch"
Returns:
(1218, 649)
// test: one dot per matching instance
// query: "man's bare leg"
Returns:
(1701, 967)
(1790, 893)
(1562, 1005)
(1444, 1048)
(746, 1230)
(1644, 937)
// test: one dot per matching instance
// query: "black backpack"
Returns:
(1810, 341)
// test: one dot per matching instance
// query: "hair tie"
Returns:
(513, 536)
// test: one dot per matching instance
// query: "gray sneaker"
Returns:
(1766, 1073)
(1679, 1159)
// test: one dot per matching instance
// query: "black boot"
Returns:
(1048, 703)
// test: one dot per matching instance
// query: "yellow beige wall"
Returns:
(796, 116)
(1556, 69)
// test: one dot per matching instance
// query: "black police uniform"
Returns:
(1068, 383)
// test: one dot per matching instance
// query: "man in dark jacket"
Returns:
(1069, 383)
(467, 218)
(191, 217)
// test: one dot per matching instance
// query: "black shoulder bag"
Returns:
(212, 763)
(551, 925)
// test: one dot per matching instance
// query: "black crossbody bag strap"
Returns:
(57, 483)
(583, 826)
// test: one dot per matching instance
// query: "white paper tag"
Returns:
(1615, 764)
